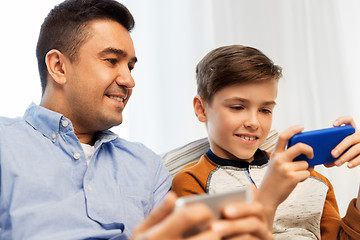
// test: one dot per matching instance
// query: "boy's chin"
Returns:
(245, 157)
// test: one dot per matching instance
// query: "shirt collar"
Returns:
(260, 158)
(49, 122)
(43, 120)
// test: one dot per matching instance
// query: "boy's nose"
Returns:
(252, 121)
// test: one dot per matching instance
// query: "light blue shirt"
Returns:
(47, 190)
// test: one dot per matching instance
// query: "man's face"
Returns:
(99, 80)
(239, 119)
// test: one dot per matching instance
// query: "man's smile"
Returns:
(117, 98)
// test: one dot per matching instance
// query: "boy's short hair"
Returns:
(65, 27)
(230, 65)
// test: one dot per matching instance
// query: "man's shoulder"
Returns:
(134, 148)
(121, 143)
(7, 122)
(137, 156)
(11, 130)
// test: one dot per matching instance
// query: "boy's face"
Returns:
(239, 119)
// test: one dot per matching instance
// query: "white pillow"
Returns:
(175, 159)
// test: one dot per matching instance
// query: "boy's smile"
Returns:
(239, 118)
(247, 138)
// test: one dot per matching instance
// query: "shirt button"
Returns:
(65, 123)
(77, 155)
(90, 188)
(53, 136)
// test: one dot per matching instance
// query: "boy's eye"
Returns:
(130, 67)
(267, 111)
(237, 108)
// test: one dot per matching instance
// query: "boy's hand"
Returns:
(242, 221)
(283, 173)
(352, 143)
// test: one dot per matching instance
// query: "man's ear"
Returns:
(199, 108)
(55, 62)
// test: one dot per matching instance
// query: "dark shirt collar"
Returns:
(260, 158)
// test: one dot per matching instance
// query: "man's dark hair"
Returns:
(65, 27)
(230, 65)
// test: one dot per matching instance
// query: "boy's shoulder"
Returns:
(319, 176)
(192, 178)
(202, 166)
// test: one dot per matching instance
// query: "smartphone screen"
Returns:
(216, 201)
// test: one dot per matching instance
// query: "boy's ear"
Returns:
(55, 62)
(199, 108)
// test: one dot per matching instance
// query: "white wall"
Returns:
(316, 43)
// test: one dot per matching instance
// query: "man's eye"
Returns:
(113, 61)
(130, 67)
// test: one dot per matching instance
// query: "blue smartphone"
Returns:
(323, 141)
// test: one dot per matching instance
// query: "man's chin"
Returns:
(107, 124)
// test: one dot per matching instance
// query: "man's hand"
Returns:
(164, 224)
(241, 221)
(244, 220)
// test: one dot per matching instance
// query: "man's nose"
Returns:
(125, 78)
